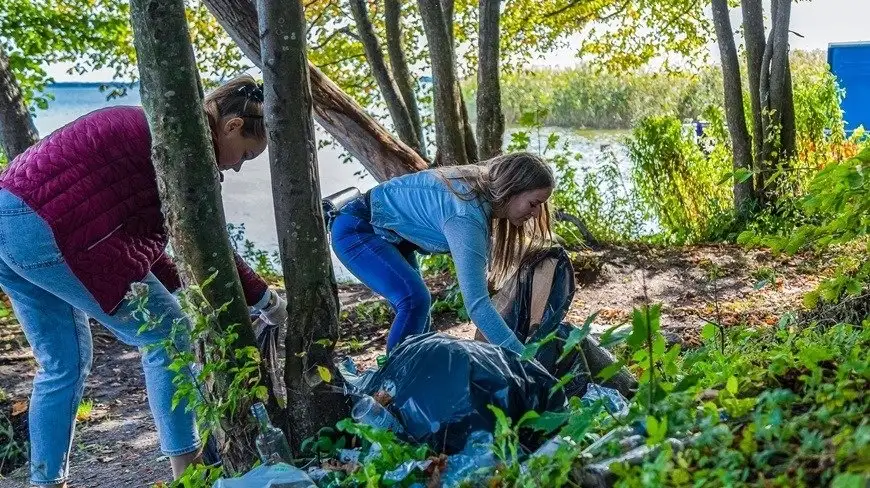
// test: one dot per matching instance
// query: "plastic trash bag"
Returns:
(538, 295)
(613, 400)
(533, 303)
(443, 387)
(475, 462)
(355, 381)
(273, 476)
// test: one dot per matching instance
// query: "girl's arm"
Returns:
(468, 246)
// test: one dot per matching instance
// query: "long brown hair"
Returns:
(496, 181)
(240, 97)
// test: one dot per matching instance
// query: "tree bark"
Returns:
(470, 142)
(789, 127)
(399, 66)
(381, 154)
(753, 34)
(17, 131)
(734, 114)
(395, 102)
(490, 119)
(449, 127)
(776, 98)
(188, 183)
(312, 294)
(448, 9)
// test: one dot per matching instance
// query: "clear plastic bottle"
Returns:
(271, 443)
(368, 411)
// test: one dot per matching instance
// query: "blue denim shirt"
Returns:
(422, 208)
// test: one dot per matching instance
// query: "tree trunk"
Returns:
(395, 103)
(753, 34)
(312, 294)
(399, 66)
(187, 180)
(734, 114)
(17, 131)
(490, 119)
(470, 143)
(448, 9)
(789, 128)
(776, 98)
(382, 155)
(449, 127)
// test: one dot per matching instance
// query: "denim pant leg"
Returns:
(166, 336)
(61, 340)
(383, 268)
(51, 304)
(413, 259)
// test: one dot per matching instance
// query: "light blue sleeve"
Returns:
(468, 246)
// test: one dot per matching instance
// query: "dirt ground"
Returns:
(117, 445)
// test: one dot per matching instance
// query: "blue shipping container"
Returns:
(850, 63)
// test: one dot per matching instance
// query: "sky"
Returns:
(820, 22)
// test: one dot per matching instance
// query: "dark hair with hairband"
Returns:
(252, 92)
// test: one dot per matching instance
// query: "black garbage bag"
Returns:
(442, 386)
(534, 302)
(536, 298)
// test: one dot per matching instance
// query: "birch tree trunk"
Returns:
(389, 90)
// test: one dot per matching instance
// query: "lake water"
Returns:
(247, 195)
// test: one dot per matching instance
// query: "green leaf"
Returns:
(548, 422)
(610, 338)
(708, 332)
(564, 380)
(656, 430)
(610, 371)
(324, 373)
(686, 383)
(261, 393)
(849, 480)
(531, 350)
(639, 329)
(761, 284)
(731, 385)
(528, 417)
(576, 336)
(742, 175)
(812, 354)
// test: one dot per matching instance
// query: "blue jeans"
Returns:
(385, 269)
(53, 307)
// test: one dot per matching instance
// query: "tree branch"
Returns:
(339, 61)
(578, 222)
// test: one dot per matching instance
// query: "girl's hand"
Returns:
(275, 312)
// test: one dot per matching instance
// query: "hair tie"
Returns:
(252, 92)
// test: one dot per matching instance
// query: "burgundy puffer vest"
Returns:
(94, 184)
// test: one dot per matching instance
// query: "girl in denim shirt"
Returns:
(486, 216)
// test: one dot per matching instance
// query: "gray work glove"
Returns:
(275, 312)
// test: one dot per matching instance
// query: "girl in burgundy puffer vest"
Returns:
(80, 221)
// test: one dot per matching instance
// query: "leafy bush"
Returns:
(838, 201)
(681, 186)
